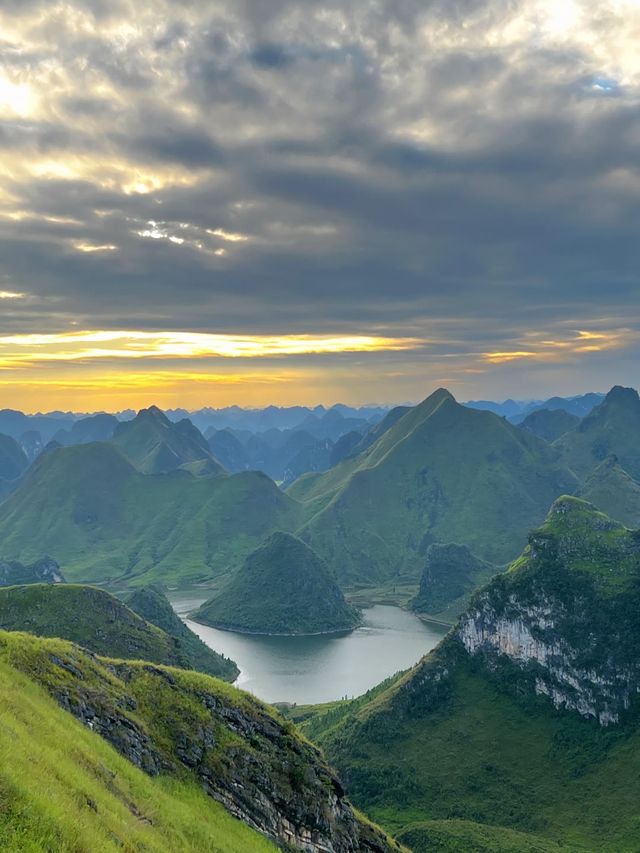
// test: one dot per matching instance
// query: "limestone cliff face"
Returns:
(566, 617)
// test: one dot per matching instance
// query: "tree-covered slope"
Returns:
(527, 715)
(450, 574)
(283, 587)
(441, 473)
(613, 427)
(186, 729)
(151, 604)
(104, 521)
(64, 789)
(155, 445)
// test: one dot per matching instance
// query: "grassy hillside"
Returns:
(464, 836)
(611, 488)
(613, 427)
(189, 729)
(104, 521)
(550, 424)
(155, 445)
(525, 717)
(283, 587)
(441, 473)
(150, 603)
(64, 789)
(87, 616)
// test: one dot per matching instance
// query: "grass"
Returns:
(468, 739)
(485, 757)
(442, 473)
(65, 790)
(105, 522)
(188, 727)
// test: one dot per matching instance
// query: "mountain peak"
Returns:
(620, 394)
(153, 412)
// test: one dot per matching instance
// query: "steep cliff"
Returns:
(194, 728)
(566, 613)
(526, 715)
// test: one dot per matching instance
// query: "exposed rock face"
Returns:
(45, 570)
(245, 757)
(566, 615)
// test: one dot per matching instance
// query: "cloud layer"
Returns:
(461, 173)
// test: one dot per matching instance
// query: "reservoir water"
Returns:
(322, 668)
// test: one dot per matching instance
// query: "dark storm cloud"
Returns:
(319, 166)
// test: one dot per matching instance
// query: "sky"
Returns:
(310, 202)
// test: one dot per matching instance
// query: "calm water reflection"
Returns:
(324, 668)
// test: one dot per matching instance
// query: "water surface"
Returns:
(322, 668)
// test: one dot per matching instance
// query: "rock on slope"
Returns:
(526, 715)
(195, 728)
(46, 570)
(282, 588)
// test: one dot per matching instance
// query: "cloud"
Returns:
(458, 172)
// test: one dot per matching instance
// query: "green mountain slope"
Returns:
(613, 427)
(451, 573)
(13, 461)
(155, 445)
(90, 617)
(186, 729)
(441, 473)
(464, 836)
(283, 587)
(104, 521)
(550, 424)
(64, 789)
(611, 488)
(526, 715)
(151, 604)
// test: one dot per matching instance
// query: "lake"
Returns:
(322, 668)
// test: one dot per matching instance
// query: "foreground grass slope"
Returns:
(526, 716)
(63, 789)
(104, 625)
(105, 521)
(441, 473)
(191, 729)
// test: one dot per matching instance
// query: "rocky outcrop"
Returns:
(45, 570)
(245, 757)
(565, 616)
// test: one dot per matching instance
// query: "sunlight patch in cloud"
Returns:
(552, 350)
(24, 350)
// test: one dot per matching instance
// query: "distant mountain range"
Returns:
(158, 501)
